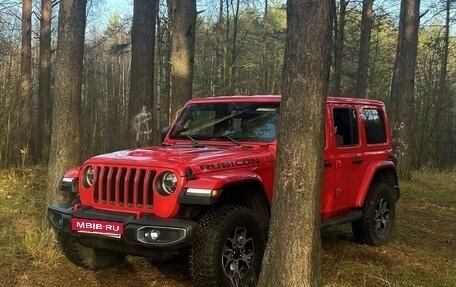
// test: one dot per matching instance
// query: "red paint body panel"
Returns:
(72, 173)
(367, 180)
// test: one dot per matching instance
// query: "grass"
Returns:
(421, 253)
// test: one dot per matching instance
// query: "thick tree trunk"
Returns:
(364, 49)
(65, 136)
(42, 121)
(26, 79)
(141, 104)
(292, 256)
(339, 36)
(182, 15)
(403, 85)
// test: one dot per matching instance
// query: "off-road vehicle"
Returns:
(207, 190)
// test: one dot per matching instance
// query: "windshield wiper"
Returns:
(195, 143)
(231, 139)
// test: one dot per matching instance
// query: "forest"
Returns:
(81, 77)
(238, 49)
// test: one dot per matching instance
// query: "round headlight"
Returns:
(167, 183)
(88, 177)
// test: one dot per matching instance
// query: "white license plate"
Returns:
(100, 227)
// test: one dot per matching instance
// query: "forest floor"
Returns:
(421, 253)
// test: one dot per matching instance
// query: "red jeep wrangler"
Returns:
(207, 190)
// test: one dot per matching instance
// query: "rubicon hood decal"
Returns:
(230, 164)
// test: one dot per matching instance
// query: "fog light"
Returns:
(152, 235)
(160, 235)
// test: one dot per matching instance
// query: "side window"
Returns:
(346, 127)
(374, 125)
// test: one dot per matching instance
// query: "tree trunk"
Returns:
(182, 16)
(142, 73)
(163, 75)
(292, 256)
(339, 36)
(233, 72)
(225, 52)
(403, 85)
(65, 136)
(443, 102)
(42, 130)
(364, 49)
(395, 79)
(26, 78)
(264, 72)
(220, 55)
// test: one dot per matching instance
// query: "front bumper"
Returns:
(178, 233)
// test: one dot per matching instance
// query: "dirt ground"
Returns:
(422, 252)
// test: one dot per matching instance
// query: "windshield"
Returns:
(254, 122)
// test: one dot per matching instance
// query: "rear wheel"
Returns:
(376, 226)
(228, 249)
(87, 257)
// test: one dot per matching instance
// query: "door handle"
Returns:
(357, 160)
(328, 163)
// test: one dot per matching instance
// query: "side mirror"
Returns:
(164, 132)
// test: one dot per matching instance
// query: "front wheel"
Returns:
(376, 226)
(228, 249)
(87, 257)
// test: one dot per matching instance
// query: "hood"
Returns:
(200, 159)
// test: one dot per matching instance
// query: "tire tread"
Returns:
(362, 229)
(87, 257)
(203, 257)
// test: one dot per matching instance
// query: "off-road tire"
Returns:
(215, 232)
(377, 223)
(87, 257)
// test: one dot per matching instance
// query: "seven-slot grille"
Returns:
(122, 186)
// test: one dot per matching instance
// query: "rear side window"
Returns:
(374, 125)
(346, 127)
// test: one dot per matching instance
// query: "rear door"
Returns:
(349, 161)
